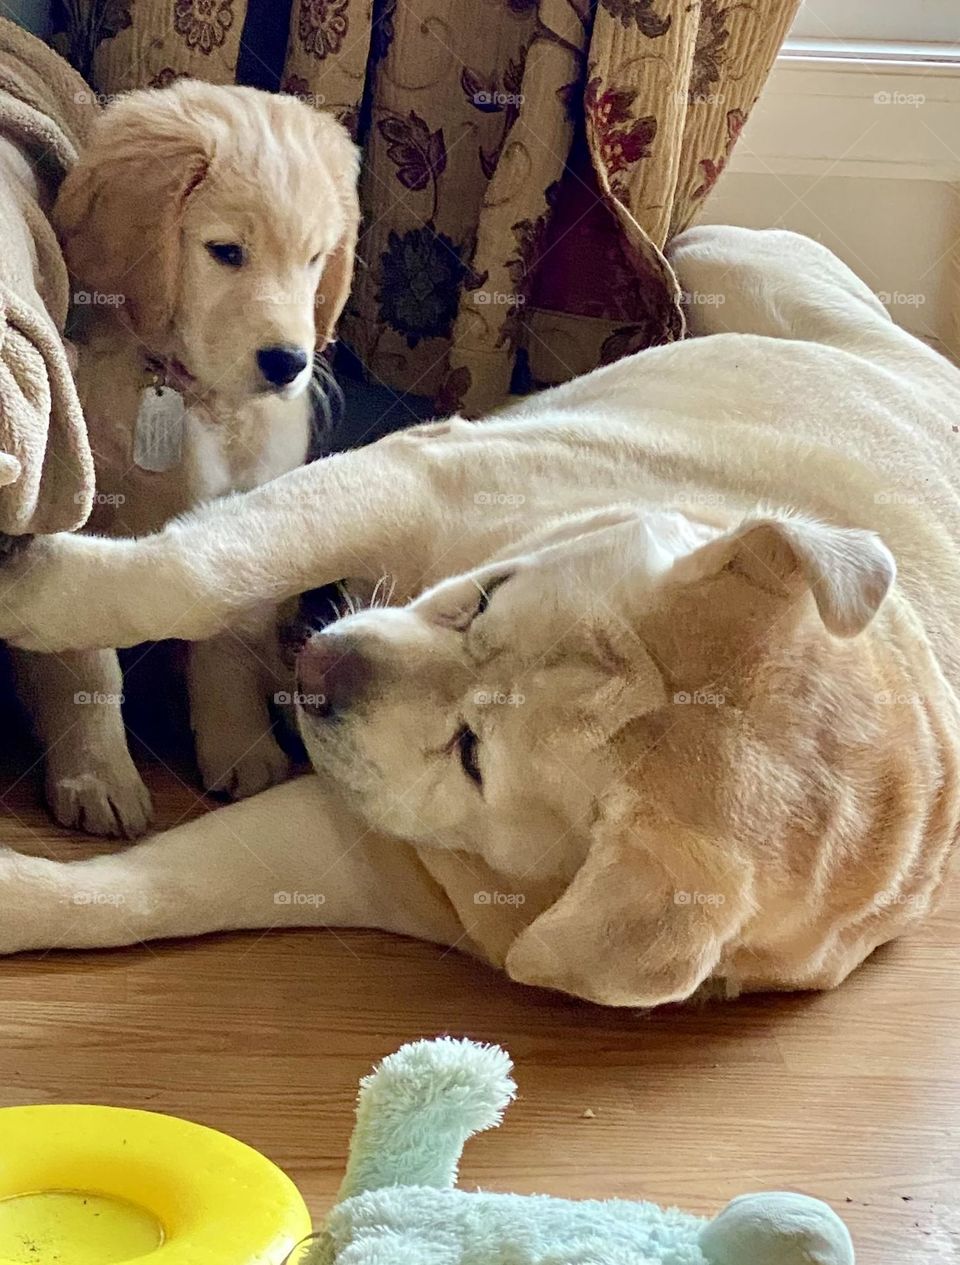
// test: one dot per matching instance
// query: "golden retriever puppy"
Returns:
(658, 710)
(210, 235)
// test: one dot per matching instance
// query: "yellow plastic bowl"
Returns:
(107, 1186)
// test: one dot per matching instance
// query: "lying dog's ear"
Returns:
(343, 158)
(847, 571)
(118, 211)
(644, 921)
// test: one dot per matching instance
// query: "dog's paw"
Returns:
(236, 768)
(116, 804)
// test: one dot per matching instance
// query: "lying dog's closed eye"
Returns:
(214, 229)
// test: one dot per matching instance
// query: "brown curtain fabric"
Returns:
(526, 161)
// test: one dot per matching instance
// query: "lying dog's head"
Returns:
(221, 223)
(685, 724)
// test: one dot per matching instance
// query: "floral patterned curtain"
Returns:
(526, 161)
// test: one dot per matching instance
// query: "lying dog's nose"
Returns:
(281, 364)
(331, 672)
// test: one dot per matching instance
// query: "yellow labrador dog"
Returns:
(657, 714)
(210, 235)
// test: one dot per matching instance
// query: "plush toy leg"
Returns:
(777, 1229)
(419, 1107)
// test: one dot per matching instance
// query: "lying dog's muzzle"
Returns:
(331, 675)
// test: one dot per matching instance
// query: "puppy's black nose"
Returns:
(331, 674)
(281, 364)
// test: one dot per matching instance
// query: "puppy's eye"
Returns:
(316, 258)
(231, 254)
(467, 743)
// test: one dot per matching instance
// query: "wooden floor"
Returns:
(853, 1096)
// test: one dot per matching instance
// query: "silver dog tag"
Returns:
(158, 435)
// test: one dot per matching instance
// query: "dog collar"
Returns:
(159, 373)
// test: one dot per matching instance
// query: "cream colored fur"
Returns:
(166, 173)
(713, 683)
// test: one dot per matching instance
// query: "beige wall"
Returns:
(867, 160)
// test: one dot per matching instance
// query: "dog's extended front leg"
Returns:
(291, 857)
(356, 514)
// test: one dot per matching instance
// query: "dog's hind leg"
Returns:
(74, 703)
(774, 283)
(291, 857)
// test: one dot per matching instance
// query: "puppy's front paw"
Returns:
(237, 764)
(114, 803)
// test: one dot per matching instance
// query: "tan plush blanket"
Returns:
(46, 470)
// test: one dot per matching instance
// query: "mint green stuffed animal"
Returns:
(398, 1205)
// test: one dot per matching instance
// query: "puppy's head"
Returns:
(221, 222)
(650, 712)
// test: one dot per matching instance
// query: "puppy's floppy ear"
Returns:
(848, 571)
(118, 211)
(342, 158)
(644, 921)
